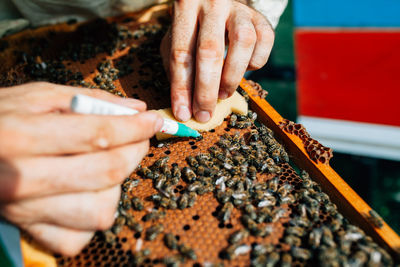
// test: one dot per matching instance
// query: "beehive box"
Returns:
(133, 41)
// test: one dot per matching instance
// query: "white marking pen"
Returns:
(84, 104)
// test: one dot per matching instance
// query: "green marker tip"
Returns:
(185, 131)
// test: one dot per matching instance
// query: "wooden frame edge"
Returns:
(347, 200)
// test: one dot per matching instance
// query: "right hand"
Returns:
(60, 173)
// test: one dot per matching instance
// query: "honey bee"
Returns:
(133, 224)
(154, 215)
(314, 239)
(176, 172)
(238, 236)
(183, 201)
(273, 184)
(301, 253)
(153, 231)
(137, 203)
(139, 257)
(233, 120)
(146, 173)
(295, 230)
(170, 241)
(292, 240)
(226, 211)
(192, 199)
(272, 258)
(187, 252)
(189, 174)
(286, 260)
(173, 261)
(161, 162)
(224, 197)
(250, 210)
(192, 162)
(375, 219)
(109, 237)
(327, 237)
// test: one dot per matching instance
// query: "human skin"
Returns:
(60, 173)
(193, 52)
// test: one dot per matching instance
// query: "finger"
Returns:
(68, 242)
(265, 42)
(58, 134)
(25, 178)
(181, 65)
(165, 51)
(242, 39)
(41, 97)
(83, 211)
(209, 58)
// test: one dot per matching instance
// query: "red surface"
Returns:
(349, 75)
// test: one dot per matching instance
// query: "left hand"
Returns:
(193, 52)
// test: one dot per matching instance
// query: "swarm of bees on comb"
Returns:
(265, 214)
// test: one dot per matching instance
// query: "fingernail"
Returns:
(183, 113)
(159, 123)
(222, 94)
(203, 116)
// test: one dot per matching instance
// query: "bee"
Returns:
(154, 215)
(292, 240)
(233, 120)
(170, 241)
(249, 223)
(137, 203)
(125, 202)
(166, 171)
(295, 230)
(139, 257)
(117, 228)
(327, 237)
(146, 173)
(272, 258)
(160, 181)
(273, 184)
(252, 115)
(250, 210)
(155, 198)
(173, 261)
(183, 201)
(267, 202)
(176, 172)
(259, 250)
(314, 239)
(187, 252)
(153, 231)
(133, 224)
(238, 236)
(224, 196)
(375, 219)
(252, 173)
(226, 211)
(289, 199)
(286, 260)
(278, 213)
(109, 237)
(192, 162)
(194, 187)
(329, 255)
(189, 174)
(192, 199)
(161, 162)
(301, 253)
(265, 230)
(359, 259)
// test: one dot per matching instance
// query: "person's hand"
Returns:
(193, 52)
(60, 173)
